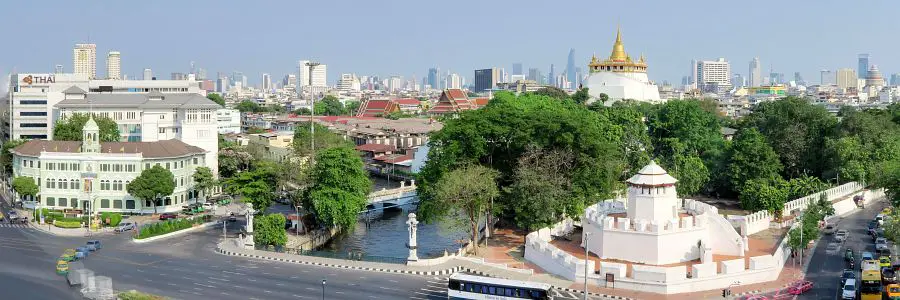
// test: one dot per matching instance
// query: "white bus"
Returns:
(464, 286)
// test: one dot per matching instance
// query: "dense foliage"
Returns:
(203, 181)
(330, 106)
(6, 156)
(340, 186)
(25, 186)
(153, 184)
(269, 230)
(464, 197)
(256, 185)
(70, 127)
(324, 139)
(169, 226)
(216, 98)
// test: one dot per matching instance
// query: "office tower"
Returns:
(517, 69)
(534, 74)
(484, 79)
(863, 66)
(201, 74)
(113, 65)
(846, 78)
(798, 79)
(713, 71)
(454, 81)
(222, 84)
(178, 76)
(692, 79)
(236, 77)
(551, 77)
(755, 78)
(433, 78)
(266, 83)
(244, 81)
(776, 78)
(895, 79)
(84, 59)
(318, 75)
(825, 77)
(289, 79)
(58, 69)
(738, 80)
(148, 74)
(570, 68)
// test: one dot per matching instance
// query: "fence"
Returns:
(352, 255)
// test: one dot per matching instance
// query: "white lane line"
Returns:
(279, 284)
(414, 297)
(311, 289)
(219, 279)
(295, 277)
(267, 291)
(265, 273)
(436, 291)
(139, 270)
(387, 288)
(299, 296)
(233, 273)
(200, 284)
(172, 284)
(251, 279)
(394, 281)
(338, 292)
(148, 280)
(428, 294)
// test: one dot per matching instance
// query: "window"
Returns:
(76, 184)
(162, 130)
(31, 164)
(51, 183)
(129, 204)
(175, 129)
(32, 102)
(104, 185)
(75, 203)
(147, 166)
(24, 163)
(51, 201)
(62, 202)
(51, 166)
(33, 113)
(104, 203)
(167, 166)
(182, 164)
(118, 204)
(63, 166)
(195, 161)
(63, 184)
(34, 125)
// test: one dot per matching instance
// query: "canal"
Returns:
(385, 234)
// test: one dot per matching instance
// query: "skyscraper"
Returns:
(517, 69)
(114, 65)
(863, 66)
(551, 77)
(846, 78)
(266, 82)
(755, 78)
(713, 72)
(58, 69)
(318, 76)
(825, 77)
(484, 79)
(895, 79)
(570, 68)
(738, 80)
(84, 59)
(433, 78)
(692, 79)
(535, 75)
(799, 79)
(148, 74)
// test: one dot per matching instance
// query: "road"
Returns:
(827, 263)
(188, 268)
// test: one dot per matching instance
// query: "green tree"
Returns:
(750, 157)
(258, 193)
(847, 158)
(803, 186)
(269, 230)
(351, 107)
(466, 193)
(248, 106)
(889, 179)
(810, 229)
(330, 106)
(216, 98)
(796, 130)
(581, 96)
(603, 97)
(340, 187)
(6, 156)
(763, 194)
(203, 181)
(255, 130)
(691, 173)
(541, 188)
(232, 161)
(303, 111)
(324, 139)
(552, 92)
(69, 128)
(153, 184)
(25, 186)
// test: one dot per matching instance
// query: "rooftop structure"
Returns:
(620, 77)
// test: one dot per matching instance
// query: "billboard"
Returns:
(35, 79)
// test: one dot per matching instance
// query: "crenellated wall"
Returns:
(541, 252)
(761, 220)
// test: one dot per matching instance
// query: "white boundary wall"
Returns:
(539, 251)
(761, 220)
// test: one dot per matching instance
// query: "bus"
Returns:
(465, 286)
(870, 287)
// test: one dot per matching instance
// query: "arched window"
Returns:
(63, 184)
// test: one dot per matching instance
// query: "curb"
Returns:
(447, 272)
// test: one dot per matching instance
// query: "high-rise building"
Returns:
(58, 69)
(114, 65)
(433, 78)
(348, 82)
(289, 79)
(738, 80)
(178, 76)
(454, 81)
(755, 78)
(551, 77)
(534, 74)
(776, 78)
(201, 74)
(873, 77)
(713, 72)
(846, 78)
(693, 77)
(863, 67)
(148, 74)
(517, 69)
(222, 84)
(895, 79)
(266, 82)
(485, 79)
(84, 59)
(826, 77)
(570, 68)
(799, 79)
(318, 76)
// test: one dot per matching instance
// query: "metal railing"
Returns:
(352, 255)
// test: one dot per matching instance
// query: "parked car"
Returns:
(881, 244)
(13, 216)
(867, 256)
(847, 274)
(830, 228)
(841, 235)
(94, 245)
(125, 226)
(848, 291)
(800, 287)
(167, 216)
(208, 206)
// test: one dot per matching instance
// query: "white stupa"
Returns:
(619, 77)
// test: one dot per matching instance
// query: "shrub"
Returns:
(168, 226)
(114, 218)
(67, 224)
(135, 295)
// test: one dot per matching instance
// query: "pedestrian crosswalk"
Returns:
(13, 225)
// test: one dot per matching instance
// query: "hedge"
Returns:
(135, 295)
(64, 224)
(114, 218)
(170, 226)
(55, 215)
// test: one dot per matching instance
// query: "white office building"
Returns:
(314, 81)
(846, 78)
(713, 71)
(114, 65)
(84, 60)
(348, 83)
(266, 82)
(229, 120)
(148, 74)
(755, 78)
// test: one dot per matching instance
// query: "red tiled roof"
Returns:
(452, 101)
(407, 101)
(376, 107)
(456, 93)
(481, 102)
(380, 148)
(394, 158)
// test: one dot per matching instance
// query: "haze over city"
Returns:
(408, 37)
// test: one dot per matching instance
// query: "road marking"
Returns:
(220, 279)
(414, 297)
(338, 292)
(200, 284)
(437, 291)
(251, 279)
(294, 277)
(172, 284)
(233, 273)
(266, 273)
(279, 284)
(148, 280)
(394, 281)
(139, 270)
(267, 291)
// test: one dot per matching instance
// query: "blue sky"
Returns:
(406, 37)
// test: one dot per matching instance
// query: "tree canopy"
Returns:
(324, 139)
(203, 180)
(6, 156)
(465, 195)
(750, 157)
(216, 98)
(268, 230)
(25, 186)
(70, 128)
(152, 183)
(330, 106)
(249, 106)
(340, 187)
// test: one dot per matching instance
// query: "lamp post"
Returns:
(298, 219)
(312, 113)
(586, 259)
(323, 289)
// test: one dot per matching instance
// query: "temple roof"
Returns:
(652, 174)
(618, 51)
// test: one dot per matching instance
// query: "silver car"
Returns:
(881, 244)
(841, 235)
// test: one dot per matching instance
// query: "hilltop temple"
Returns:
(620, 77)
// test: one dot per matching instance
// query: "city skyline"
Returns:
(330, 45)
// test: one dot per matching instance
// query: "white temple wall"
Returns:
(651, 248)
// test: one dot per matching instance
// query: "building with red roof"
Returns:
(452, 101)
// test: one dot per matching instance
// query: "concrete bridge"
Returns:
(404, 194)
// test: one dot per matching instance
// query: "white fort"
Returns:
(619, 77)
(655, 227)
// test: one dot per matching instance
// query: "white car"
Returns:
(208, 206)
(849, 289)
(13, 216)
(841, 235)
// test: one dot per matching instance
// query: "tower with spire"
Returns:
(620, 77)
(619, 60)
(90, 134)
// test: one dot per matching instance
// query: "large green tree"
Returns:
(541, 188)
(69, 128)
(351, 107)
(25, 186)
(269, 230)
(796, 130)
(153, 184)
(553, 92)
(466, 194)
(750, 157)
(764, 194)
(203, 181)
(216, 98)
(330, 106)
(249, 106)
(340, 188)
(6, 156)
(581, 96)
(324, 139)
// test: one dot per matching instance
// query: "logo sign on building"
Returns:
(36, 79)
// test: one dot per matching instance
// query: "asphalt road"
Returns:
(827, 263)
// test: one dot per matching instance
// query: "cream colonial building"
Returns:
(90, 173)
(620, 77)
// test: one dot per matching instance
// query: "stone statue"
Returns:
(411, 227)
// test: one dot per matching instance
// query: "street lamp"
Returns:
(298, 219)
(312, 112)
(587, 235)
(323, 289)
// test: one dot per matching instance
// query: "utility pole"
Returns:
(586, 259)
(312, 114)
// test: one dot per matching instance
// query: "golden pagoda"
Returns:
(619, 60)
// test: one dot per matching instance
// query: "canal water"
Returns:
(385, 234)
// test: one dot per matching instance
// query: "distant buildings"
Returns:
(895, 79)
(534, 74)
(713, 73)
(517, 69)
(570, 69)
(846, 78)
(755, 77)
(315, 76)
(148, 74)
(485, 79)
(348, 83)
(114, 65)
(228, 120)
(863, 67)
(266, 83)
(84, 60)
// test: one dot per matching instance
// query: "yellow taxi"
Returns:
(68, 255)
(884, 261)
(62, 267)
(893, 291)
